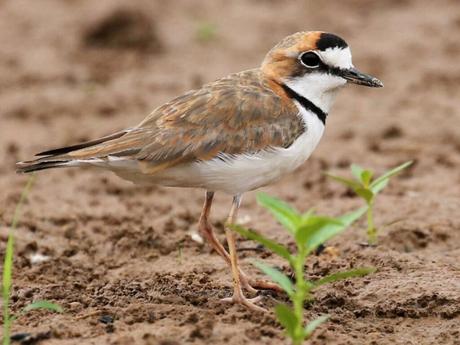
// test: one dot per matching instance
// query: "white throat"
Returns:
(318, 88)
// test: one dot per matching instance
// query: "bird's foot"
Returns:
(253, 285)
(246, 284)
(238, 298)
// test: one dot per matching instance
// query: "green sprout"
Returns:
(308, 231)
(8, 272)
(367, 188)
(205, 31)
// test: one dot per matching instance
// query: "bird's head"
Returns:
(315, 65)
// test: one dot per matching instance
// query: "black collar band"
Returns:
(305, 103)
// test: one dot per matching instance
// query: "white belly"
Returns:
(235, 174)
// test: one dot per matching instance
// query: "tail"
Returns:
(70, 156)
(35, 165)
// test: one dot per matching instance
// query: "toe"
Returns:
(265, 285)
(247, 302)
(247, 286)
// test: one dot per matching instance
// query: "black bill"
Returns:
(354, 76)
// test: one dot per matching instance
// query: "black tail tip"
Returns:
(28, 167)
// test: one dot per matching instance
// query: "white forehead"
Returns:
(337, 57)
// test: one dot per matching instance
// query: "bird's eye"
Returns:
(310, 60)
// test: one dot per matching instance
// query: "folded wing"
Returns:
(234, 115)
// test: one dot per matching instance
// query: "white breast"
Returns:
(235, 174)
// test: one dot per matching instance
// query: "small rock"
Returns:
(74, 305)
(196, 237)
(20, 336)
(107, 319)
(37, 258)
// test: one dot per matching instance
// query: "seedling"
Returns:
(308, 231)
(206, 31)
(367, 188)
(8, 271)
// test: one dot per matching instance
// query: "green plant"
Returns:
(308, 231)
(8, 272)
(367, 188)
(206, 31)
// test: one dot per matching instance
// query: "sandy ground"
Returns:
(122, 253)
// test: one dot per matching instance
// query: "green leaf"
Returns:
(276, 276)
(269, 244)
(310, 328)
(8, 266)
(366, 194)
(304, 217)
(284, 213)
(366, 177)
(331, 229)
(376, 188)
(47, 305)
(388, 175)
(314, 220)
(8, 263)
(347, 182)
(206, 31)
(350, 218)
(357, 172)
(311, 225)
(287, 318)
(358, 272)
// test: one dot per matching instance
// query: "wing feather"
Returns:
(234, 115)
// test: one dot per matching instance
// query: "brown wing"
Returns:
(236, 114)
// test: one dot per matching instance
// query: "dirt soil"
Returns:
(120, 258)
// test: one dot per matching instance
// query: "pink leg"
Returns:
(238, 296)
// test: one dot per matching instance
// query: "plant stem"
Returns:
(299, 298)
(371, 230)
(6, 288)
(8, 264)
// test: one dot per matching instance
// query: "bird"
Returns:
(232, 135)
